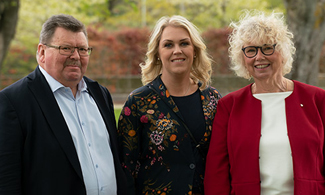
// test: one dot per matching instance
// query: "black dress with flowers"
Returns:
(156, 150)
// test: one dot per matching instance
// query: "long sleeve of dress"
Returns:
(128, 136)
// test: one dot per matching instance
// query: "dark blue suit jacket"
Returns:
(37, 154)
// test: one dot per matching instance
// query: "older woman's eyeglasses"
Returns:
(251, 51)
(68, 50)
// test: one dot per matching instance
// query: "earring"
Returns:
(195, 56)
(158, 61)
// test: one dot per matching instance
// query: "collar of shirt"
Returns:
(55, 85)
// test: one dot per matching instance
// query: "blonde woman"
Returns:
(268, 137)
(165, 126)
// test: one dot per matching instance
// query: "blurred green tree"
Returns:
(8, 21)
(306, 19)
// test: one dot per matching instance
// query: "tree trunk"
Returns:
(8, 22)
(111, 5)
(306, 19)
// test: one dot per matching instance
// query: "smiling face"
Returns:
(176, 52)
(68, 70)
(264, 67)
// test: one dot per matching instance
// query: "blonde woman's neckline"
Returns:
(188, 88)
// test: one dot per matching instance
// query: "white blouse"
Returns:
(276, 169)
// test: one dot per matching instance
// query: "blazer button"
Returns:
(192, 166)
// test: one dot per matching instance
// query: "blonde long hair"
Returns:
(201, 68)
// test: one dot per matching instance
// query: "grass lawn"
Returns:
(117, 112)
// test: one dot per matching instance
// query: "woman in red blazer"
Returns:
(268, 137)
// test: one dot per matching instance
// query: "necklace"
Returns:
(189, 86)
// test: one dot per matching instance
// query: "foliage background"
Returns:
(119, 36)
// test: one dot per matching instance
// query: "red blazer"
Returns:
(233, 158)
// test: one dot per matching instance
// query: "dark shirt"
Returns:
(191, 109)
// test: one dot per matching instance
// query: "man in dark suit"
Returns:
(57, 127)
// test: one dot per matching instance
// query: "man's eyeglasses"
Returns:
(68, 50)
(251, 51)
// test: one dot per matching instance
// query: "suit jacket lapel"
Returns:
(105, 106)
(107, 114)
(52, 113)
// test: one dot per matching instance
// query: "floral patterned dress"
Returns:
(156, 149)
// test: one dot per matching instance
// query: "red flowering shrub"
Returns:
(217, 46)
(116, 56)
(117, 53)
